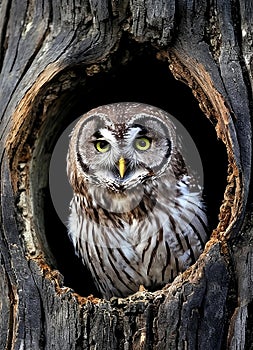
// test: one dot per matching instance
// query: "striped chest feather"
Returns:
(149, 245)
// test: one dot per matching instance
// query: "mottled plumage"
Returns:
(137, 216)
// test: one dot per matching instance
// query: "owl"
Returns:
(137, 217)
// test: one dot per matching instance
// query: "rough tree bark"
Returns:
(51, 49)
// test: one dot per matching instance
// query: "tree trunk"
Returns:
(60, 58)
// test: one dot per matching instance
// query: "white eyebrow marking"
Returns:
(108, 135)
(132, 133)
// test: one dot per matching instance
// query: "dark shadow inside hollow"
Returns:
(143, 78)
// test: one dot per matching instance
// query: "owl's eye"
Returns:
(142, 144)
(102, 146)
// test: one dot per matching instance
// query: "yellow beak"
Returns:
(122, 166)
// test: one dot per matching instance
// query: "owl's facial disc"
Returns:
(122, 160)
(121, 156)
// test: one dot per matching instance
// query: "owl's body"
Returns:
(137, 216)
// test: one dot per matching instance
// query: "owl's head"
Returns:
(119, 146)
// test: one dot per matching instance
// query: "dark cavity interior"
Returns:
(142, 78)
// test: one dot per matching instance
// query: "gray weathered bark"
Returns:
(50, 50)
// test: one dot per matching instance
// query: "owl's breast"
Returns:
(119, 202)
(148, 245)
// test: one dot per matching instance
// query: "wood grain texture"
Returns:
(48, 50)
